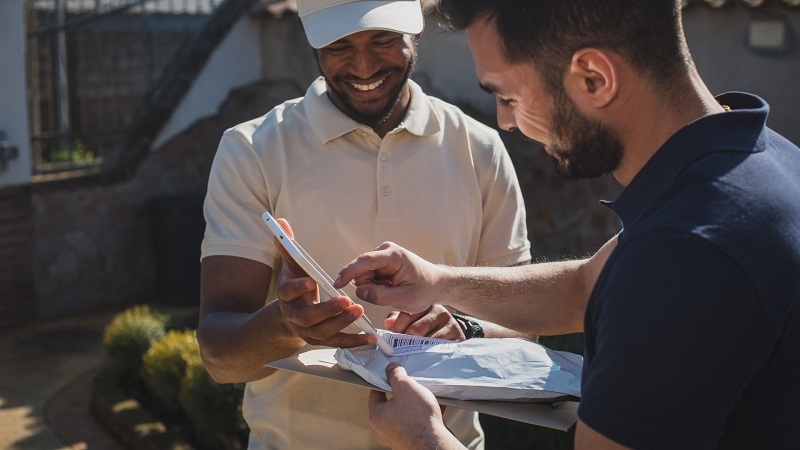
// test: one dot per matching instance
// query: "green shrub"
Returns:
(173, 373)
(164, 364)
(130, 333)
(214, 409)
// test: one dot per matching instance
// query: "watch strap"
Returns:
(469, 327)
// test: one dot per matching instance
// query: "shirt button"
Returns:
(384, 156)
(386, 191)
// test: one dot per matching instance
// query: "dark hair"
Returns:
(647, 33)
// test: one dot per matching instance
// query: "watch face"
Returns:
(473, 330)
(470, 328)
(476, 331)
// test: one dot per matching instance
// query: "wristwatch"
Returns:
(470, 328)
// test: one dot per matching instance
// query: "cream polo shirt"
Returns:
(441, 184)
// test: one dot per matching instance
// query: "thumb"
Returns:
(396, 375)
(287, 258)
(286, 227)
(390, 320)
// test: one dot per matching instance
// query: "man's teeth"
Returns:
(368, 87)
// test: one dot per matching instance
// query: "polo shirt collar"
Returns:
(739, 130)
(329, 123)
(421, 119)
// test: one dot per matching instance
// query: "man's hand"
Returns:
(435, 322)
(317, 323)
(393, 276)
(411, 419)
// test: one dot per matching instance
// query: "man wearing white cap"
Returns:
(407, 167)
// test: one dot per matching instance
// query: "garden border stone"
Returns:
(126, 418)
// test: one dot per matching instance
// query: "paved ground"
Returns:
(45, 377)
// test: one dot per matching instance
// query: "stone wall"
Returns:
(17, 301)
(94, 238)
(565, 218)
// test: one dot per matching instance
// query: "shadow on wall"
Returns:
(176, 232)
(565, 218)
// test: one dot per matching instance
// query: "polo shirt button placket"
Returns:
(387, 208)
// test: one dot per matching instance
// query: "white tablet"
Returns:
(316, 273)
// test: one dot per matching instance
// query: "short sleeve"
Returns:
(236, 198)
(504, 232)
(673, 338)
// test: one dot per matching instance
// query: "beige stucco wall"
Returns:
(235, 63)
(718, 41)
(14, 107)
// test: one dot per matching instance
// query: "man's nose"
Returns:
(365, 64)
(505, 118)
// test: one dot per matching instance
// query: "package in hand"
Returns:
(509, 369)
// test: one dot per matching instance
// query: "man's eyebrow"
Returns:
(380, 35)
(488, 88)
(384, 34)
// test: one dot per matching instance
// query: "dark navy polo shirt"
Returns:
(693, 328)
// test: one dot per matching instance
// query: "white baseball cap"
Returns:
(327, 21)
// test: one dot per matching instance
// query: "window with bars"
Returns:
(92, 65)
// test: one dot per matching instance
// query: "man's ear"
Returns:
(593, 77)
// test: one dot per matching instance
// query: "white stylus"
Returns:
(324, 281)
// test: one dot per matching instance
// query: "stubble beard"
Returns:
(375, 117)
(585, 148)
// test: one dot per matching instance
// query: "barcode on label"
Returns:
(406, 344)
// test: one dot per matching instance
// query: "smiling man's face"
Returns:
(581, 147)
(367, 72)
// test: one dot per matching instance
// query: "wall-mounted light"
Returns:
(768, 34)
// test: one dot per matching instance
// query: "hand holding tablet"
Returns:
(316, 273)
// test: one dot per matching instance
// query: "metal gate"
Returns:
(92, 65)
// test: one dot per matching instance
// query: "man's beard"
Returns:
(371, 118)
(585, 148)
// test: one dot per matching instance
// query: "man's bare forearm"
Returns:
(236, 345)
(538, 299)
(493, 330)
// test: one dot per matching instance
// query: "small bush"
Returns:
(174, 375)
(214, 409)
(164, 364)
(128, 336)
